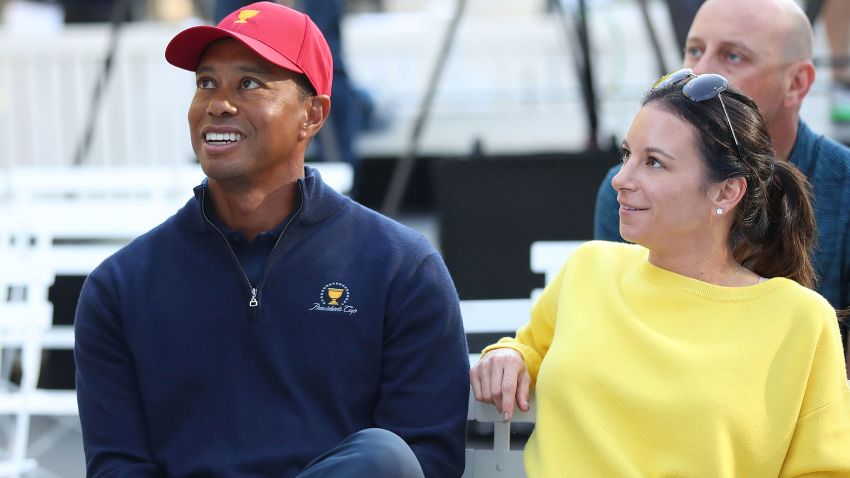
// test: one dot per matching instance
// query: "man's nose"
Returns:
(705, 64)
(221, 105)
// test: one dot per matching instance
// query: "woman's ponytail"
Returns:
(778, 238)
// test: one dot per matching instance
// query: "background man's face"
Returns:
(743, 42)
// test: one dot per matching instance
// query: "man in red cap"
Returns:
(271, 327)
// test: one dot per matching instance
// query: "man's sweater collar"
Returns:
(320, 201)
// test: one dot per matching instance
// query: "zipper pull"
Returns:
(253, 302)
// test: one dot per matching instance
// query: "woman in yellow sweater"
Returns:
(698, 350)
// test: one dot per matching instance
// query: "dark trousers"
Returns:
(369, 453)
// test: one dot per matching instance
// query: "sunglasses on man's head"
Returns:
(700, 88)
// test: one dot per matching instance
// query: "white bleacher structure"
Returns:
(25, 323)
(547, 257)
(64, 221)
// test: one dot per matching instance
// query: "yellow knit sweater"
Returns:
(641, 372)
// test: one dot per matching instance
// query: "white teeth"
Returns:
(219, 137)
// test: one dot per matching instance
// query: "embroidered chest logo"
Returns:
(244, 15)
(334, 298)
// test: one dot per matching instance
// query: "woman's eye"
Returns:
(624, 154)
(653, 163)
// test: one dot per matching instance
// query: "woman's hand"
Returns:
(501, 378)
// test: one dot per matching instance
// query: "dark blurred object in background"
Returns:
(491, 209)
(94, 11)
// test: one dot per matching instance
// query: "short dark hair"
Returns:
(774, 232)
(304, 85)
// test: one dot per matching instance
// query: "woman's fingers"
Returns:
(502, 379)
(508, 390)
(475, 381)
(523, 391)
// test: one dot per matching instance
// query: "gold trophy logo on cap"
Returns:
(244, 15)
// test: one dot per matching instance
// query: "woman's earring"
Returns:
(719, 211)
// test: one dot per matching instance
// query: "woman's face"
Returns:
(662, 187)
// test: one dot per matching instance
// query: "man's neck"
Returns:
(253, 211)
(783, 133)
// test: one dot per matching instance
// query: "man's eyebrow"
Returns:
(252, 69)
(735, 45)
(726, 44)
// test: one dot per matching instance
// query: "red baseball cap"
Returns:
(279, 34)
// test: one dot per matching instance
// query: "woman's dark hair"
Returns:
(774, 231)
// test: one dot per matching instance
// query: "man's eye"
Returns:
(204, 83)
(249, 84)
(693, 52)
(735, 58)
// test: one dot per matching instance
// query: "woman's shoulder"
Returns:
(793, 292)
(806, 305)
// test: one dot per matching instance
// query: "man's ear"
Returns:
(801, 76)
(317, 111)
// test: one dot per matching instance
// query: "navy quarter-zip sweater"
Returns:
(184, 371)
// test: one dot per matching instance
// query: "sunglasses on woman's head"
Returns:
(701, 88)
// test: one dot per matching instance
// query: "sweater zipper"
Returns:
(280, 236)
(254, 302)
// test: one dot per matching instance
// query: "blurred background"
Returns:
(487, 125)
